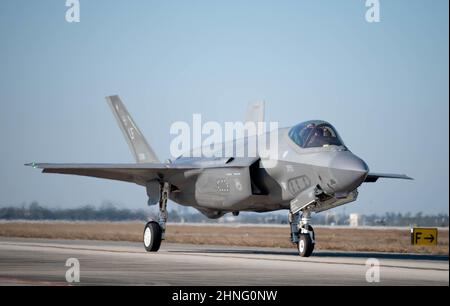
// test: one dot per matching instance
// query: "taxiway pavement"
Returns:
(42, 262)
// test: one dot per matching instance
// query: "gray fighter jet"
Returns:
(314, 172)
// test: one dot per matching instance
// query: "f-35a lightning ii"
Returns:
(314, 172)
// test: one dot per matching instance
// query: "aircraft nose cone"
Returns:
(348, 172)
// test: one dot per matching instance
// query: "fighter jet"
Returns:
(315, 171)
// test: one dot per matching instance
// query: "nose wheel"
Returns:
(306, 242)
(302, 233)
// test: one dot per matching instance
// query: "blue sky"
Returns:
(384, 86)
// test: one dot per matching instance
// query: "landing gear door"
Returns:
(303, 200)
(153, 192)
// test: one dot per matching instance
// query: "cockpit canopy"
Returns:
(315, 133)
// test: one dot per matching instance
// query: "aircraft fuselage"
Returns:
(327, 175)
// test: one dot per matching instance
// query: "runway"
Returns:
(42, 262)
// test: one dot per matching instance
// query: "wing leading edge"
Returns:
(143, 172)
(134, 173)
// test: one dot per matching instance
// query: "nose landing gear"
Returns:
(302, 233)
(155, 232)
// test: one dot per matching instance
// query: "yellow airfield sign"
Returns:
(424, 236)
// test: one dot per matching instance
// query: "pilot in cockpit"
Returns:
(326, 132)
(315, 134)
(316, 139)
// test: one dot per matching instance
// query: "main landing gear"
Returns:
(302, 233)
(154, 232)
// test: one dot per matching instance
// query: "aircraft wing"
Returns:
(373, 177)
(134, 173)
(143, 172)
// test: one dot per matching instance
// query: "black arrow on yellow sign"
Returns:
(431, 238)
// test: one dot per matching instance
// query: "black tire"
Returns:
(305, 244)
(152, 236)
(310, 228)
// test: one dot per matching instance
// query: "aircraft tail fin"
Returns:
(255, 113)
(142, 152)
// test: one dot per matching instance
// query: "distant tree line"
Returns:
(106, 212)
(418, 219)
(111, 212)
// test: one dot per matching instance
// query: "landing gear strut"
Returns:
(155, 232)
(302, 233)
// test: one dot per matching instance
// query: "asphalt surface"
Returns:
(42, 262)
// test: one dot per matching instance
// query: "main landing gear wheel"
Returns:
(152, 236)
(154, 232)
(306, 242)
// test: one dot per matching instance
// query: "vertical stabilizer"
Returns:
(142, 152)
(255, 113)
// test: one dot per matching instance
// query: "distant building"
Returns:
(331, 219)
(355, 220)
